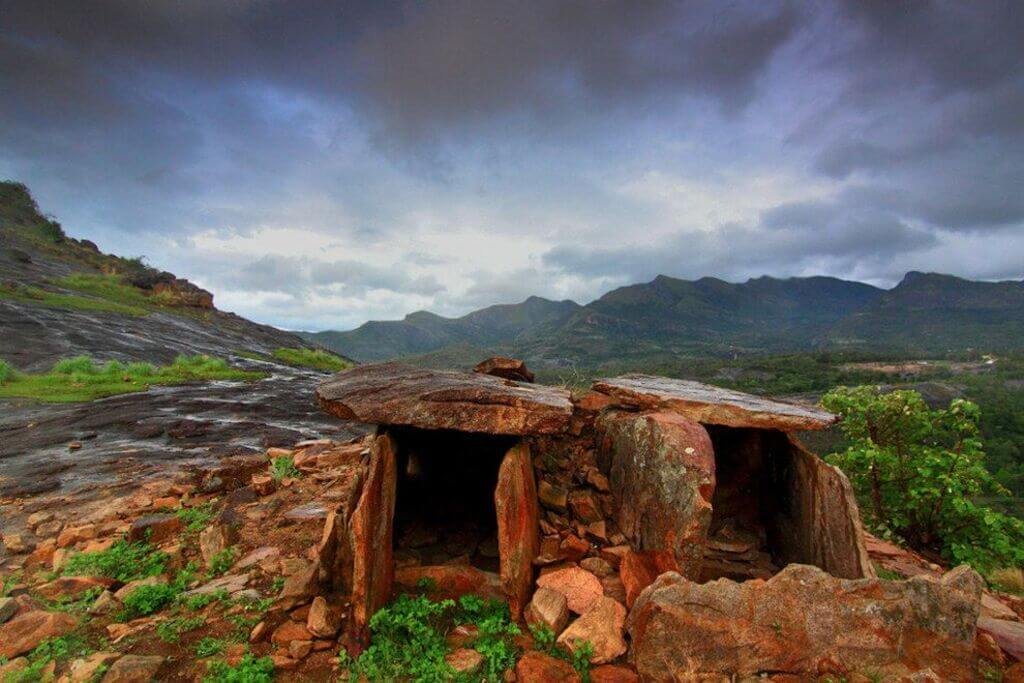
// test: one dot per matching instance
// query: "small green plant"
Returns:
(50, 650)
(579, 657)
(170, 630)
(222, 561)
(195, 518)
(201, 600)
(248, 670)
(317, 359)
(208, 647)
(277, 584)
(7, 372)
(123, 561)
(73, 605)
(9, 582)
(283, 466)
(146, 600)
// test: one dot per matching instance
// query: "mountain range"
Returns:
(926, 313)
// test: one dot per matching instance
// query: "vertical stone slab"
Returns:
(370, 530)
(515, 501)
(661, 467)
(817, 521)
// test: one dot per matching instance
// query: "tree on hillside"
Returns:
(920, 473)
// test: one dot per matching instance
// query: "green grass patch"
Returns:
(7, 372)
(69, 302)
(171, 630)
(248, 670)
(208, 647)
(222, 561)
(84, 379)
(123, 561)
(317, 359)
(283, 466)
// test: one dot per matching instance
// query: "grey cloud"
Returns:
(298, 276)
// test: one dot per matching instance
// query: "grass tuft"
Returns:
(283, 466)
(7, 372)
(124, 561)
(317, 359)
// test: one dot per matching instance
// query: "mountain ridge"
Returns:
(923, 313)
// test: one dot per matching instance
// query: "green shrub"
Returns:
(7, 372)
(920, 474)
(283, 466)
(222, 561)
(248, 670)
(123, 561)
(146, 600)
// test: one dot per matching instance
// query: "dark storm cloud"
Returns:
(390, 125)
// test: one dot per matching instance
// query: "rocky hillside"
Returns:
(62, 297)
(925, 313)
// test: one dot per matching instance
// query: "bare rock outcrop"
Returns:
(805, 622)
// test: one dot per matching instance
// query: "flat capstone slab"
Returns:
(712, 405)
(400, 394)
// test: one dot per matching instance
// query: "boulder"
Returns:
(399, 394)
(155, 528)
(580, 588)
(450, 581)
(7, 609)
(1009, 635)
(518, 538)
(71, 587)
(601, 626)
(300, 586)
(25, 631)
(508, 368)
(662, 472)
(324, 619)
(465, 661)
(638, 571)
(85, 669)
(215, 539)
(548, 608)
(804, 622)
(537, 667)
(289, 631)
(613, 673)
(711, 405)
(134, 669)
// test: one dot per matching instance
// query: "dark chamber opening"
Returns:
(444, 502)
(742, 539)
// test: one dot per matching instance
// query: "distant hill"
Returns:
(925, 313)
(62, 297)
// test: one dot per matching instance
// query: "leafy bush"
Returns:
(920, 474)
(283, 466)
(7, 372)
(248, 670)
(408, 639)
(123, 561)
(146, 600)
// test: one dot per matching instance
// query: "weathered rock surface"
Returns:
(399, 394)
(712, 405)
(549, 609)
(580, 588)
(451, 581)
(1009, 635)
(515, 502)
(537, 667)
(661, 468)
(134, 669)
(508, 368)
(24, 632)
(601, 626)
(805, 622)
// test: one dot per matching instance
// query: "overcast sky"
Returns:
(318, 164)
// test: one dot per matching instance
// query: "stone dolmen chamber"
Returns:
(478, 482)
